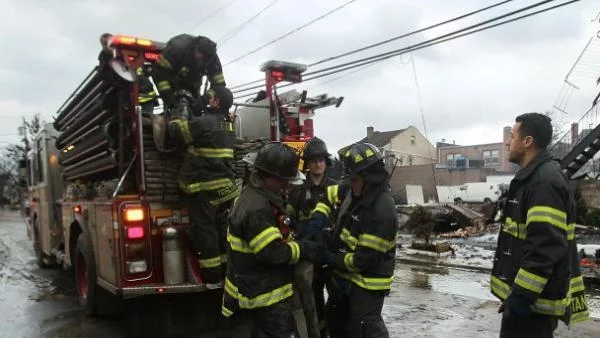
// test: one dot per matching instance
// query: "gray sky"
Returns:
(470, 87)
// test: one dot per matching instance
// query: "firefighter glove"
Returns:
(520, 305)
(315, 226)
(331, 259)
(312, 250)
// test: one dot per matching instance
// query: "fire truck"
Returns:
(104, 200)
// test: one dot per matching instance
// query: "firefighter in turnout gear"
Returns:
(147, 97)
(303, 199)
(181, 67)
(536, 268)
(262, 251)
(361, 245)
(207, 178)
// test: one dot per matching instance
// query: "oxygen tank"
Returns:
(173, 259)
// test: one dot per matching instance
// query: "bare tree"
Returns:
(12, 154)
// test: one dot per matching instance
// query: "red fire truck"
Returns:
(105, 200)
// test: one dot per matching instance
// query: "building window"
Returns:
(410, 160)
(412, 140)
(451, 158)
(491, 157)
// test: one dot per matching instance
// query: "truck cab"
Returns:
(45, 188)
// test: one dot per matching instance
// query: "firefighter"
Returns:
(536, 272)
(302, 200)
(180, 70)
(207, 179)
(361, 245)
(262, 252)
(147, 97)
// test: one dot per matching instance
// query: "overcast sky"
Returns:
(470, 87)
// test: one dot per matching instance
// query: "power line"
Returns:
(211, 15)
(422, 45)
(396, 51)
(410, 34)
(243, 25)
(295, 30)
(460, 17)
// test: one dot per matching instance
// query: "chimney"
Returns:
(506, 133)
(574, 132)
(370, 131)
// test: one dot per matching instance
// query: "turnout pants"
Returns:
(354, 312)
(308, 323)
(274, 321)
(208, 233)
(533, 326)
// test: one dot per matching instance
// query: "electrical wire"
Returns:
(211, 15)
(396, 51)
(398, 37)
(422, 45)
(243, 25)
(295, 30)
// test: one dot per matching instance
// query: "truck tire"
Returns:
(95, 300)
(43, 261)
(487, 200)
(458, 201)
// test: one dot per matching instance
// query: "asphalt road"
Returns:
(425, 302)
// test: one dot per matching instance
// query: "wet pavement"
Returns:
(425, 301)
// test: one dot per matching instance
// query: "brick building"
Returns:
(489, 156)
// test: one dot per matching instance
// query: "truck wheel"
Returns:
(487, 200)
(43, 261)
(95, 300)
(458, 201)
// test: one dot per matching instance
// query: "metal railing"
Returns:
(586, 124)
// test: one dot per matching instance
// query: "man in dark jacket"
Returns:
(147, 97)
(207, 178)
(180, 69)
(536, 269)
(262, 252)
(362, 245)
(302, 200)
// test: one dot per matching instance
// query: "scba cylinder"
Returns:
(173, 258)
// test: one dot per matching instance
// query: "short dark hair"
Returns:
(538, 126)
(224, 95)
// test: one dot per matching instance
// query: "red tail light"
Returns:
(136, 245)
(135, 232)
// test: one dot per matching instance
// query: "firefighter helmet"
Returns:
(206, 46)
(277, 159)
(316, 147)
(357, 157)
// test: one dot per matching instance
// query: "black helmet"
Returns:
(316, 147)
(223, 94)
(277, 159)
(206, 46)
(357, 157)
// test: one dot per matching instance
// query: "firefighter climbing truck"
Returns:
(104, 199)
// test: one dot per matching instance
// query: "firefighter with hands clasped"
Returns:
(361, 244)
(302, 200)
(536, 268)
(262, 251)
